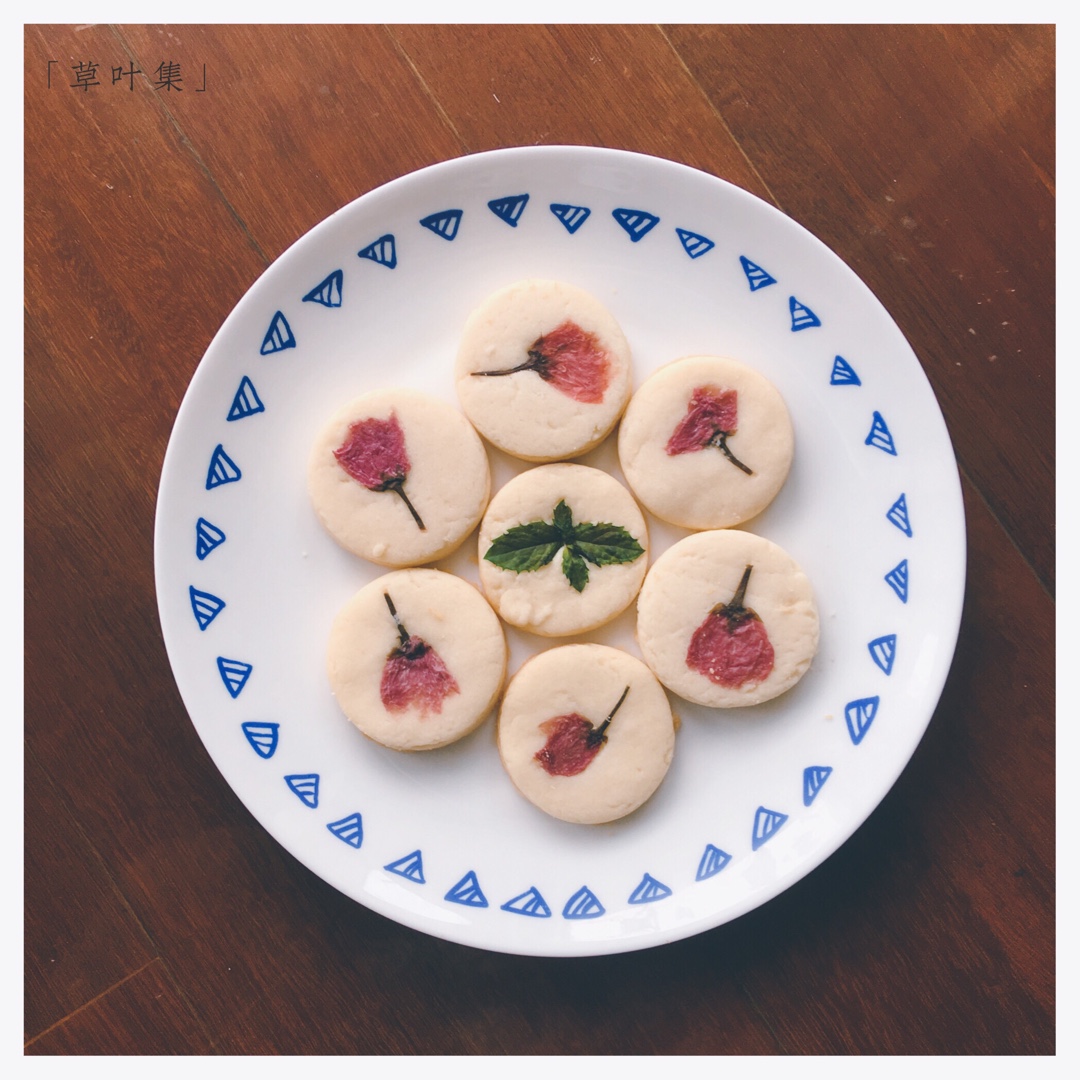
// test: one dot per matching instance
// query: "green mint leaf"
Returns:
(604, 544)
(525, 547)
(575, 569)
(564, 522)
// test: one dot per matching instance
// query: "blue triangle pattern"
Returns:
(328, 291)
(382, 251)
(897, 578)
(860, 715)
(245, 401)
(636, 222)
(206, 606)
(444, 223)
(757, 277)
(883, 651)
(694, 244)
(207, 537)
(509, 208)
(305, 786)
(572, 217)
(843, 374)
(880, 436)
(279, 336)
(898, 515)
(468, 892)
(812, 778)
(350, 829)
(649, 890)
(766, 823)
(263, 737)
(713, 860)
(234, 674)
(409, 866)
(223, 470)
(802, 318)
(583, 905)
(529, 903)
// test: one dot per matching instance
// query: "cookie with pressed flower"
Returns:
(399, 477)
(563, 549)
(416, 659)
(543, 370)
(706, 442)
(585, 733)
(726, 618)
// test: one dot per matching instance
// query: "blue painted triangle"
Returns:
(350, 829)
(529, 903)
(766, 823)
(382, 251)
(279, 336)
(305, 787)
(223, 470)
(636, 222)
(509, 208)
(328, 291)
(245, 401)
(713, 860)
(694, 244)
(883, 651)
(802, 318)
(812, 778)
(409, 866)
(572, 217)
(444, 223)
(897, 578)
(880, 436)
(757, 277)
(583, 905)
(843, 374)
(860, 715)
(234, 674)
(468, 892)
(898, 515)
(207, 537)
(649, 890)
(262, 736)
(206, 606)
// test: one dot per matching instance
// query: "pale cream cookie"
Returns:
(416, 659)
(706, 442)
(563, 549)
(586, 733)
(399, 477)
(727, 618)
(543, 370)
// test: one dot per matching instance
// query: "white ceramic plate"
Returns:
(248, 582)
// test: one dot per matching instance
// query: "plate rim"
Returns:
(823, 851)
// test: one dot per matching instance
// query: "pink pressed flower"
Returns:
(374, 455)
(731, 647)
(712, 417)
(571, 359)
(572, 742)
(414, 674)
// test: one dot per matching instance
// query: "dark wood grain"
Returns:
(160, 916)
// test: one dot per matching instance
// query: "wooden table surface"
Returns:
(160, 917)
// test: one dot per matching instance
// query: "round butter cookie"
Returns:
(585, 733)
(399, 477)
(706, 442)
(727, 618)
(543, 370)
(416, 659)
(563, 549)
